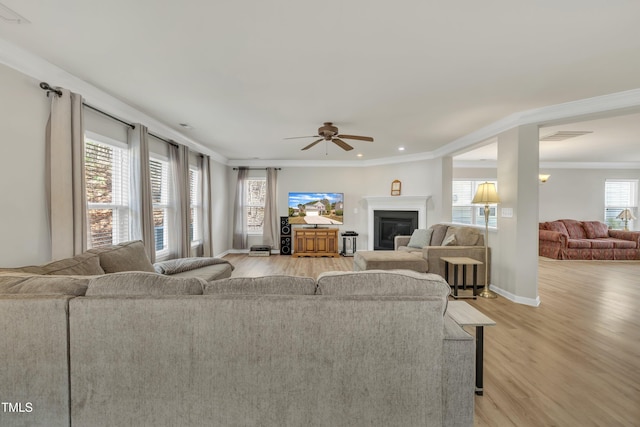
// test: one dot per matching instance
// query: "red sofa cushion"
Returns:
(557, 226)
(624, 244)
(579, 244)
(575, 229)
(602, 244)
(595, 229)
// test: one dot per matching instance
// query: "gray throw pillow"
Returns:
(449, 241)
(420, 238)
(127, 256)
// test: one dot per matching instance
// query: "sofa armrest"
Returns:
(400, 241)
(633, 236)
(553, 236)
(458, 376)
(434, 255)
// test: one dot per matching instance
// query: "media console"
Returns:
(315, 242)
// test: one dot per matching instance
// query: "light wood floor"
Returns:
(572, 361)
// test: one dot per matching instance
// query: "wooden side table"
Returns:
(465, 315)
(461, 262)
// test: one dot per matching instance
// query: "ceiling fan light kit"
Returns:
(329, 132)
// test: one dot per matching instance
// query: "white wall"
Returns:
(24, 225)
(578, 193)
(418, 179)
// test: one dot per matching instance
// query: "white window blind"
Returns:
(619, 194)
(256, 196)
(107, 182)
(462, 210)
(159, 171)
(195, 205)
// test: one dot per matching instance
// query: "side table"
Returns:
(461, 262)
(465, 315)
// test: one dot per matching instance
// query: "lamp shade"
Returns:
(486, 194)
(626, 214)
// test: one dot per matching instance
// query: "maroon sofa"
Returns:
(571, 239)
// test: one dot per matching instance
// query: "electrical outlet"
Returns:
(507, 212)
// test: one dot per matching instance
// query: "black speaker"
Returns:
(285, 228)
(285, 245)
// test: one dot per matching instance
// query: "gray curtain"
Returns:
(140, 200)
(179, 241)
(65, 186)
(205, 196)
(271, 229)
(239, 215)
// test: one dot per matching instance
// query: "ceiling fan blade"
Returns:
(298, 137)
(312, 144)
(340, 143)
(360, 138)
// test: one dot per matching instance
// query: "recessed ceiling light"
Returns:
(401, 148)
(360, 154)
(186, 126)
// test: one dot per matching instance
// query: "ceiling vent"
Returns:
(8, 15)
(564, 134)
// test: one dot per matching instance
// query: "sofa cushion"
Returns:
(265, 285)
(450, 240)
(143, 283)
(382, 282)
(439, 231)
(601, 244)
(465, 236)
(86, 264)
(623, 244)
(557, 226)
(44, 285)
(595, 229)
(208, 273)
(574, 228)
(127, 256)
(579, 243)
(420, 238)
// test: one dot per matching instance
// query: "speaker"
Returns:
(285, 245)
(285, 228)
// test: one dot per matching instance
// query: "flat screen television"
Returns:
(316, 208)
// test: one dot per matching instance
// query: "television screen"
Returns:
(316, 208)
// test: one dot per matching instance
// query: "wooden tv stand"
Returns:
(315, 242)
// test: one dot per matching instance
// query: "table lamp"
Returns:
(486, 195)
(626, 215)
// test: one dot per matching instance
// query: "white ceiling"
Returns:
(412, 73)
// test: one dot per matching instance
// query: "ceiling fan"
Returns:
(329, 132)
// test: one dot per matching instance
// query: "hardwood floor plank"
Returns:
(572, 361)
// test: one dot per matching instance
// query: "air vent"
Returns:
(8, 15)
(564, 134)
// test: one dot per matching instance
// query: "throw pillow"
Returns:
(420, 238)
(449, 241)
(127, 256)
(595, 229)
(143, 283)
(43, 285)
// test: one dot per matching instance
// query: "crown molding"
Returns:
(40, 69)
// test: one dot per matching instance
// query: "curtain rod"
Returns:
(256, 169)
(49, 89)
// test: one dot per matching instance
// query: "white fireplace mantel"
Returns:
(395, 203)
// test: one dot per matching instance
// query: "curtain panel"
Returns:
(179, 239)
(271, 225)
(239, 216)
(140, 198)
(207, 206)
(65, 186)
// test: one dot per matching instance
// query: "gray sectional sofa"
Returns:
(371, 348)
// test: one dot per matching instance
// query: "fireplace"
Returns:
(397, 204)
(388, 224)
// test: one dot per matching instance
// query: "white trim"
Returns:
(479, 164)
(395, 203)
(533, 302)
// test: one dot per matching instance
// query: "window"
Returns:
(463, 211)
(195, 205)
(256, 195)
(107, 182)
(620, 194)
(159, 172)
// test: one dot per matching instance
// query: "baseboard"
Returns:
(515, 298)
